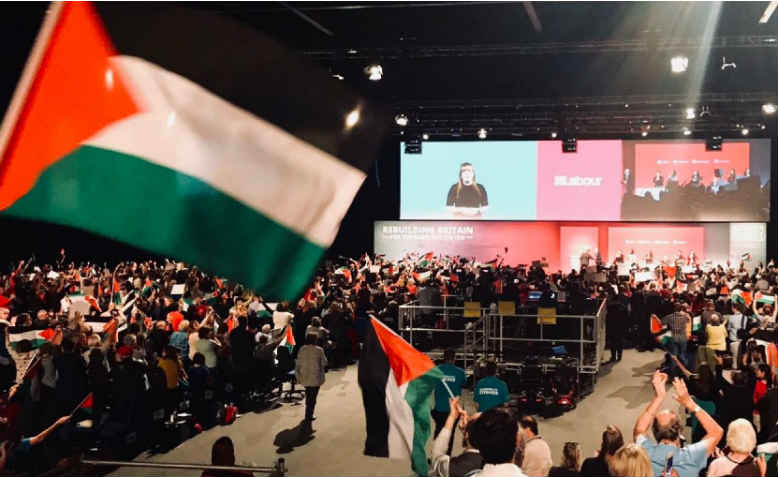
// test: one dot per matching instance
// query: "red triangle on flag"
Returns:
(407, 362)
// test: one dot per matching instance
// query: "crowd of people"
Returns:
(144, 341)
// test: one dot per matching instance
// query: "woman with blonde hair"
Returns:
(467, 197)
(630, 461)
(571, 461)
(737, 458)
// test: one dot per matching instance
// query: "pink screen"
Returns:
(585, 185)
(687, 158)
(661, 240)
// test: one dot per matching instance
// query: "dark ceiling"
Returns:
(455, 64)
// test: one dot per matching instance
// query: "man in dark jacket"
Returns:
(242, 344)
(71, 378)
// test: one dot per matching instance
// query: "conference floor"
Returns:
(335, 447)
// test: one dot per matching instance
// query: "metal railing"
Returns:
(434, 328)
(278, 469)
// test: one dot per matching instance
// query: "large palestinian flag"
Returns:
(397, 382)
(187, 134)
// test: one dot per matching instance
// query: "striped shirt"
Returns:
(677, 323)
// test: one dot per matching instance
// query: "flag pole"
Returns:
(81, 403)
(447, 388)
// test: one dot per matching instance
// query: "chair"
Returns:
(285, 374)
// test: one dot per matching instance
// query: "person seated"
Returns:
(495, 434)
(223, 453)
(571, 461)
(443, 465)
(737, 458)
(597, 466)
(630, 461)
(537, 453)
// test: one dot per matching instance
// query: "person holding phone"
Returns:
(467, 198)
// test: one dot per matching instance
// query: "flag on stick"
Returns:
(176, 133)
(396, 382)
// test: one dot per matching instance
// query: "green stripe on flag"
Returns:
(417, 395)
(162, 210)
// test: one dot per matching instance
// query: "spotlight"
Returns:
(401, 120)
(352, 118)
(374, 72)
(338, 77)
(690, 113)
(482, 133)
(678, 64)
(553, 134)
(644, 133)
(687, 132)
(769, 108)
(713, 143)
(425, 136)
(744, 131)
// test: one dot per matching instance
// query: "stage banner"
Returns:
(663, 241)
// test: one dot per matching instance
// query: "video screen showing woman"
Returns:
(467, 198)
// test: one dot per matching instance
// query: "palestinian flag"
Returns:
(764, 298)
(176, 125)
(35, 337)
(396, 381)
(427, 260)
(87, 404)
(288, 340)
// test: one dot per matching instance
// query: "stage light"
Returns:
(425, 136)
(690, 113)
(678, 64)
(713, 143)
(644, 133)
(687, 132)
(338, 77)
(482, 133)
(744, 131)
(769, 108)
(553, 135)
(374, 72)
(352, 118)
(401, 120)
(570, 145)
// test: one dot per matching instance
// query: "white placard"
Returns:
(178, 289)
(644, 277)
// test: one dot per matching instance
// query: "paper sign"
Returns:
(644, 277)
(623, 269)
(506, 308)
(472, 309)
(547, 316)
(53, 275)
(178, 289)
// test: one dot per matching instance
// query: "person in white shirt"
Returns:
(537, 454)
(496, 434)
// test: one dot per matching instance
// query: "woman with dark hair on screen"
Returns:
(467, 197)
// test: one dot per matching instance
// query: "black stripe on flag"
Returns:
(251, 71)
(373, 375)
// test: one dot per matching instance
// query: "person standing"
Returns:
(677, 322)
(490, 391)
(309, 371)
(454, 378)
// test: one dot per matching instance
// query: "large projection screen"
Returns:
(605, 180)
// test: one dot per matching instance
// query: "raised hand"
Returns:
(659, 381)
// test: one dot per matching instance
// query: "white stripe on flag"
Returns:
(400, 438)
(188, 129)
